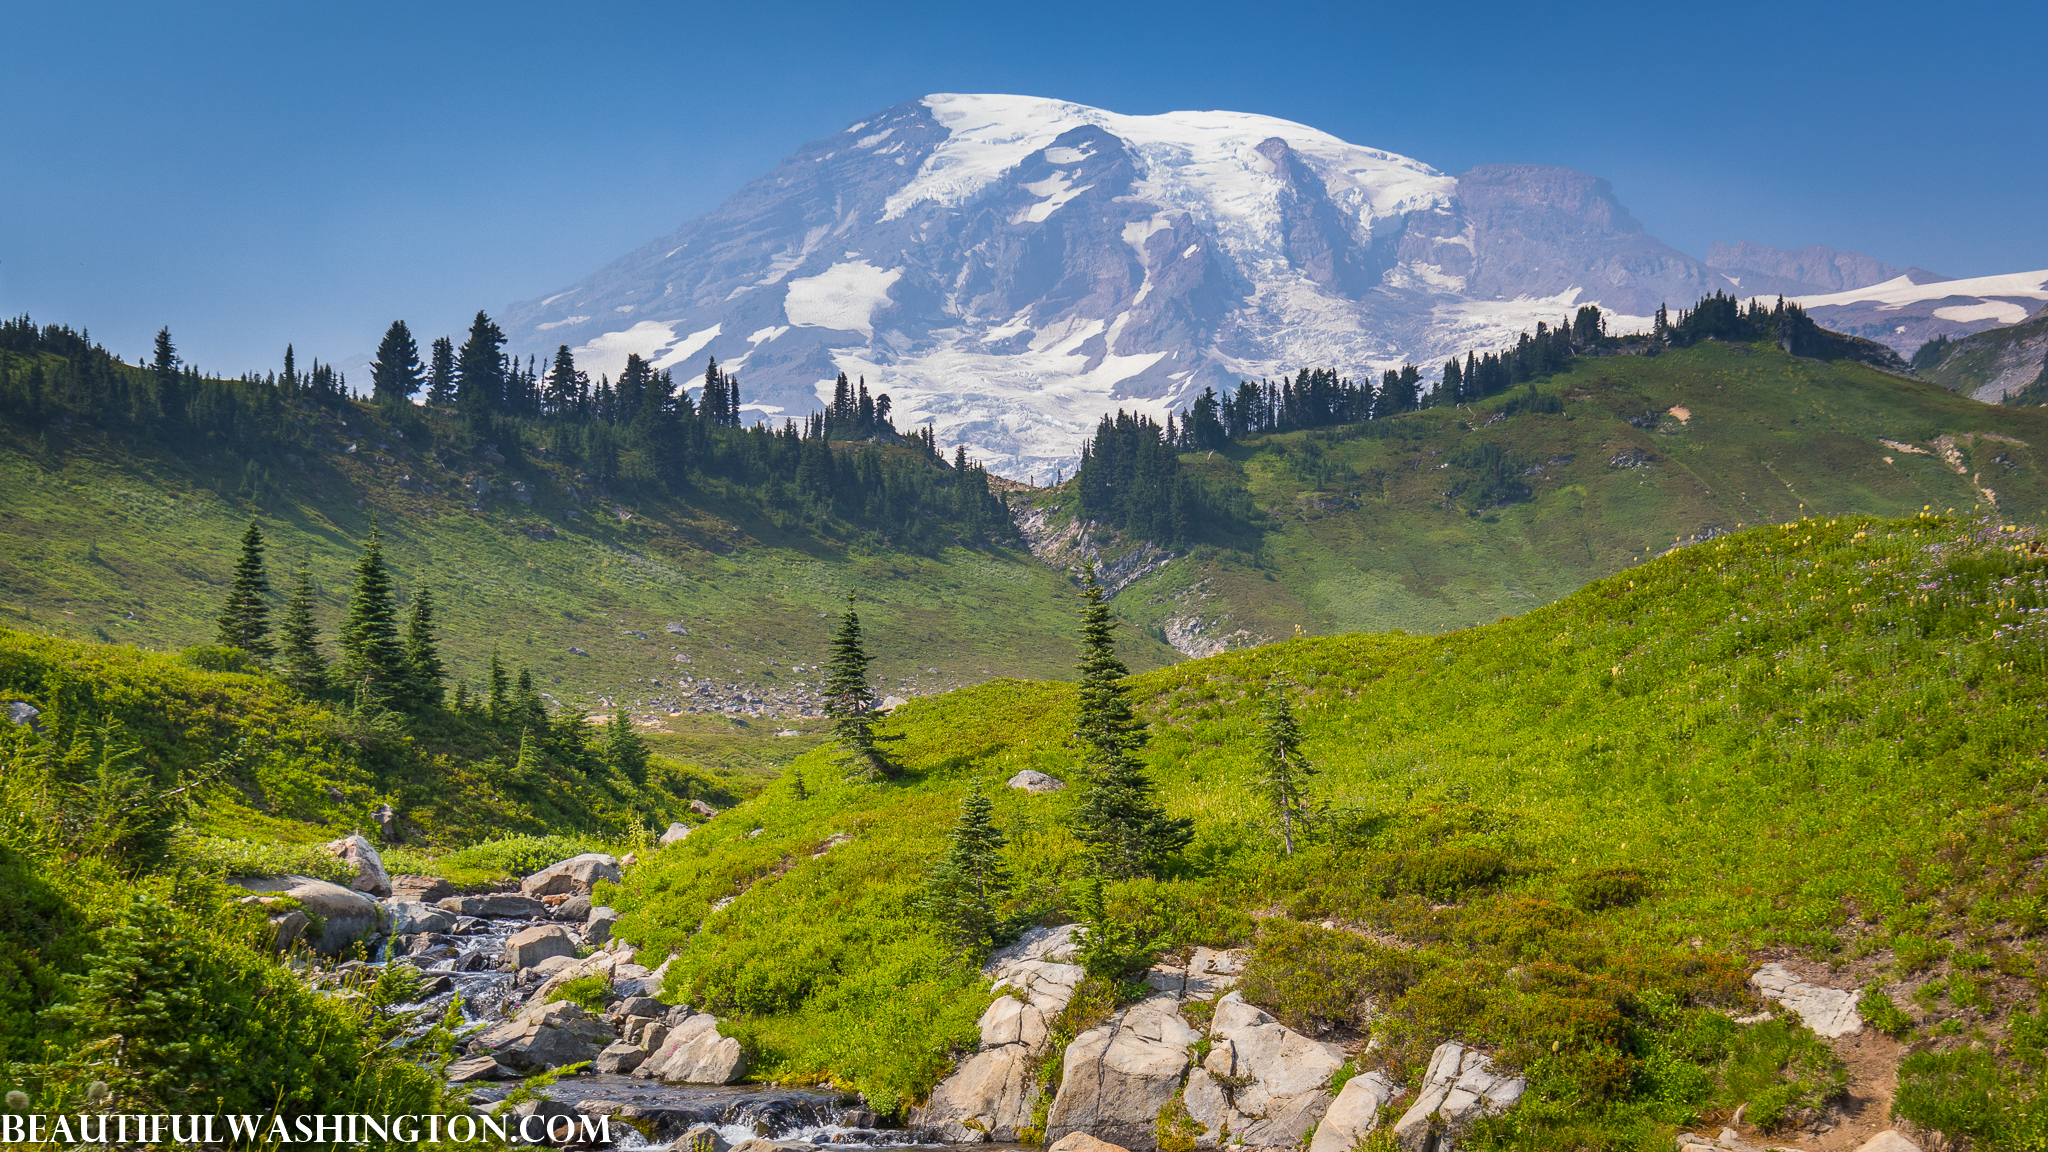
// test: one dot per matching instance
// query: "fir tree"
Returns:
(967, 887)
(395, 375)
(527, 708)
(851, 703)
(423, 668)
(499, 703)
(170, 391)
(480, 368)
(1119, 819)
(441, 373)
(624, 751)
(245, 620)
(372, 655)
(1283, 772)
(797, 790)
(303, 664)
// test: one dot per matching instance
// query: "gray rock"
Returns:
(545, 1037)
(420, 889)
(992, 1095)
(1116, 1078)
(646, 1006)
(1278, 1078)
(1830, 1012)
(408, 916)
(598, 928)
(695, 1053)
(496, 906)
(1083, 1142)
(676, 832)
(652, 1036)
(575, 876)
(346, 917)
(358, 854)
(1459, 1087)
(703, 809)
(620, 1058)
(574, 910)
(1031, 780)
(702, 1138)
(23, 712)
(1888, 1141)
(1355, 1113)
(475, 1068)
(530, 947)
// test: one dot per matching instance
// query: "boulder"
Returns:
(694, 1053)
(420, 889)
(575, 876)
(545, 1037)
(409, 917)
(574, 910)
(1031, 780)
(620, 1058)
(496, 906)
(1459, 1087)
(652, 1036)
(473, 1068)
(677, 830)
(1211, 973)
(345, 916)
(1281, 1062)
(1355, 1113)
(288, 928)
(530, 947)
(702, 1138)
(1116, 1077)
(598, 928)
(1888, 1141)
(646, 1006)
(1830, 1012)
(703, 809)
(357, 853)
(1083, 1142)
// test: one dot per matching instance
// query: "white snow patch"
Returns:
(562, 323)
(764, 335)
(606, 354)
(1068, 155)
(858, 127)
(1056, 190)
(1900, 291)
(623, 308)
(871, 141)
(2003, 311)
(844, 296)
(555, 297)
(1192, 249)
(688, 346)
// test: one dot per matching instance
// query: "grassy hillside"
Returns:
(118, 537)
(1564, 836)
(1446, 518)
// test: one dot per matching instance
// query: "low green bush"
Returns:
(1880, 1013)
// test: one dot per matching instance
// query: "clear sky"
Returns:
(252, 174)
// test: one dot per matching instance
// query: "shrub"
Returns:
(1783, 1071)
(1314, 979)
(592, 992)
(1607, 888)
(1880, 1013)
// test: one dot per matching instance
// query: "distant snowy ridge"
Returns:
(1010, 268)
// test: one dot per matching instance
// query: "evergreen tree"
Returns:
(528, 710)
(624, 751)
(480, 368)
(569, 733)
(797, 790)
(499, 703)
(303, 664)
(441, 374)
(372, 655)
(395, 375)
(170, 392)
(563, 389)
(245, 620)
(423, 668)
(1119, 820)
(1283, 772)
(967, 887)
(851, 703)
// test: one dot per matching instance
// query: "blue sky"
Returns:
(263, 173)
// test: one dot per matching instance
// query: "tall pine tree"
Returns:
(851, 703)
(1283, 772)
(423, 668)
(480, 368)
(395, 375)
(1119, 819)
(303, 664)
(624, 751)
(372, 655)
(245, 619)
(967, 887)
(441, 373)
(500, 700)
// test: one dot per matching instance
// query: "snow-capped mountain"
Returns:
(1009, 268)
(1915, 306)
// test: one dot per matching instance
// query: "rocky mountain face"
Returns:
(1010, 268)
(1758, 269)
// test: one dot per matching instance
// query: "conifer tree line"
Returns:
(847, 465)
(381, 665)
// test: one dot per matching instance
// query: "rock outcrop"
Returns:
(358, 854)
(1116, 1077)
(1459, 1087)
(497, 906)
(575, 876)
(693, 1052)
(540, 942)
(1830, 1012)
(1262, 1083)
(1355, 1112)
(542, 1037)
(345, 916)
(992, 1095)
(1032, 780)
